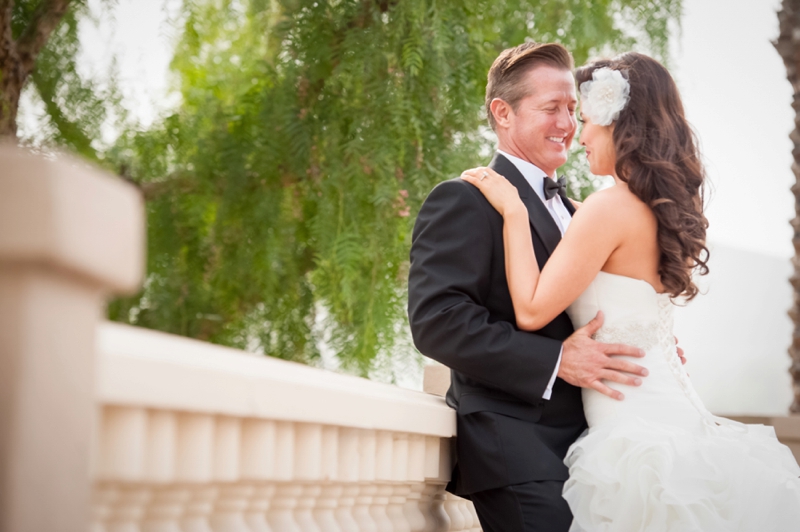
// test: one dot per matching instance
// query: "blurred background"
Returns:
(284, 148)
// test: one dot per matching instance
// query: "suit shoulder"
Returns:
(456, 190)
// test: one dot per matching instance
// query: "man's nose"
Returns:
(565, 120)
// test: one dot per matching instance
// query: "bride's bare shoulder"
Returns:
(615, 203)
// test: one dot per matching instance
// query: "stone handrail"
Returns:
(194, 436)
(113, 428)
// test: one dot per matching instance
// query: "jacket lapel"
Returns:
(541, 221)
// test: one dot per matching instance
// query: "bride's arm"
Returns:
(538, 297)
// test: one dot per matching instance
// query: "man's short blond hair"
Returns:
(506, 77)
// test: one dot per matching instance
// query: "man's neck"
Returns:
(509, 150)
(510, 154)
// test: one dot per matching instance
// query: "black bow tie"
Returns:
(551, 188)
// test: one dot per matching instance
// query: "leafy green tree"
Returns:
(282, 192)
(39, 44)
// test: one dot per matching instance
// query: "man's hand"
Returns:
(584, 362)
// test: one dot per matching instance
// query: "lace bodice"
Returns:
(635, 314)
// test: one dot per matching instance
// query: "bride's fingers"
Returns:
(605, 390)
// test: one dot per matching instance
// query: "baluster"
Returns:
(256, 514)
(377, 509)
(194, 465)
(104, 496)
(329, 469)
(258, 448)
(457, 522)
(384, 473)
(361, 510)
(258, 464)
(227, 449)
(194, 459)
(348, 467)
(307, 451)
(469, 524)
(397, 499)
(123, 443)
(161, 446)
(280, 515)
(325, 510)
(413, 512)
(229, 508)
(344, 510)
(416, 458)
(164, 509)
(476, 522)
(284, 462)
(432, 506)
(199, 508)
(127, 513)
(304, 514)
(400, 452)
(347, 471)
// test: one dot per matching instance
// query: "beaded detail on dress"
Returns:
(637, 334)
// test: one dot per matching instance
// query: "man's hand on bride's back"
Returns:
(586, 362)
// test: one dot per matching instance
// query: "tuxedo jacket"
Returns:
(461, 314)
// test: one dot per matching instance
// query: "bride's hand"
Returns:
(498, 190)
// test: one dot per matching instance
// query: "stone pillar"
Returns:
(70, 236)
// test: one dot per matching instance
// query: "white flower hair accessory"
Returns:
(604, 96)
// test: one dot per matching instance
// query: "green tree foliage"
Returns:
(282, 192)
(75, 108)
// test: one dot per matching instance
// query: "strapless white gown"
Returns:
(659, 460)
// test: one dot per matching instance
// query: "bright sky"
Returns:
(737, 97)
(732, 80)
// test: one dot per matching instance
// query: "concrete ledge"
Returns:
(63, 213)
(151, 369)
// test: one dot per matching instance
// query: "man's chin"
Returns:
(557, 162)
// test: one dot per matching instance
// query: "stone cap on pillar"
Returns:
(62, 213)
(436, 378)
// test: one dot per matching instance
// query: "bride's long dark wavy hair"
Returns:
(657, 157)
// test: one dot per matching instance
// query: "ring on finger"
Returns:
(484, 175)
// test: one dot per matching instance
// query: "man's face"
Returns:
(542, 127)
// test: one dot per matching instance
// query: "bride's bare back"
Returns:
(638, 254)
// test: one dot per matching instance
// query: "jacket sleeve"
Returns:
(448, 278)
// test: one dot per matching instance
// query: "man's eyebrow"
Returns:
(558, 99)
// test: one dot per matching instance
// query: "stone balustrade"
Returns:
(117, 429)
(193, 436)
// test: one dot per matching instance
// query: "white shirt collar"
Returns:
(532, 173)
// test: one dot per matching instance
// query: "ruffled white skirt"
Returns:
(639, 475)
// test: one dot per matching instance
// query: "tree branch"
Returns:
(7, 45)
(44, 21)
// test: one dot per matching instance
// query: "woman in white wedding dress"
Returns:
(657, 460)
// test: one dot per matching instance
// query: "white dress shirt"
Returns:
(535, 178)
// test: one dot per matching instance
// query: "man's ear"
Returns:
(502, 112)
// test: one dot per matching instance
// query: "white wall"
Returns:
(737, 334)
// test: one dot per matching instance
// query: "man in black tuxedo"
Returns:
(517, 394)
